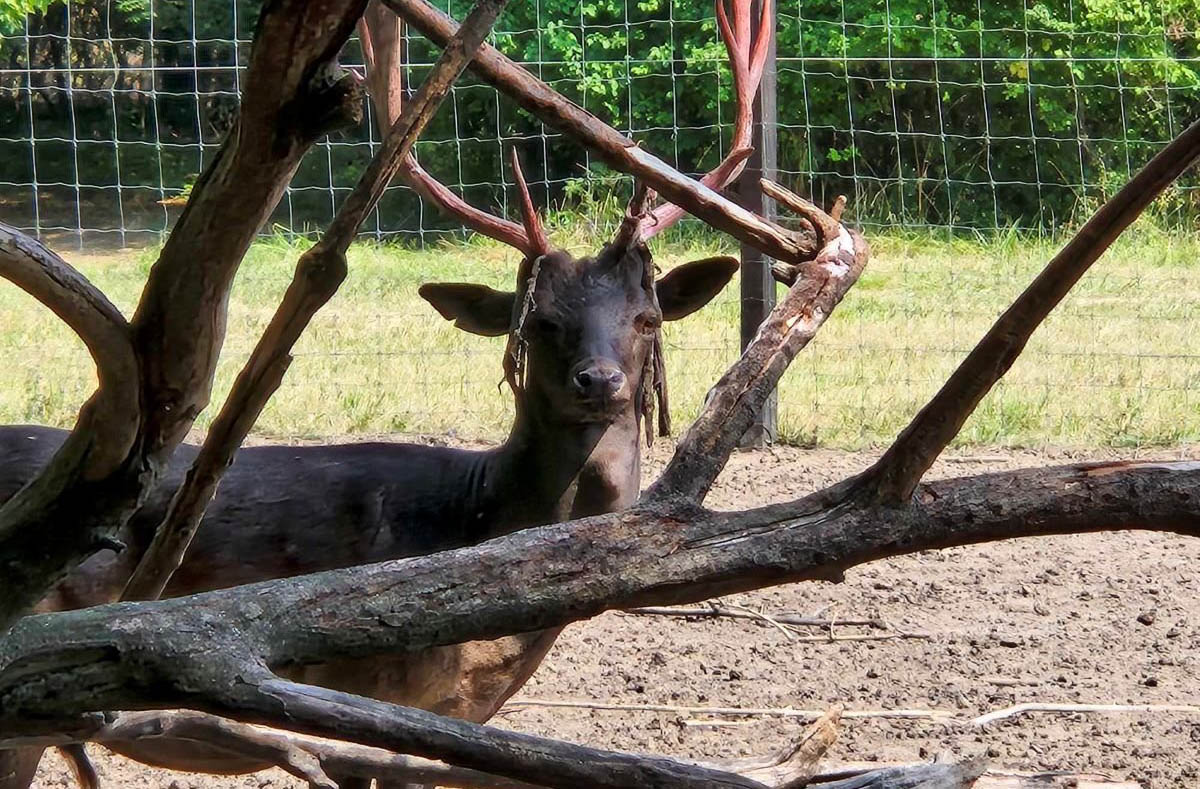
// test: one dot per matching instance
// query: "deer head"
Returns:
(584, 339)
(584, 333)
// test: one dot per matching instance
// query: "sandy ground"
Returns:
(1111, 618)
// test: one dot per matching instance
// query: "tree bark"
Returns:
(312, 759)
(127, 657)
(294, 94)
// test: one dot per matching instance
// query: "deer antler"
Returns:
(537, 243)
(380, 31)
(747, 56)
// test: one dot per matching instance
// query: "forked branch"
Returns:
(319, 273)
(29, 265)
(894, 477)
(294, 94)
(738, 396)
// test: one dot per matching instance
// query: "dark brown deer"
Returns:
(584, 362)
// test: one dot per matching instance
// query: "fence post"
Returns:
(758, 287)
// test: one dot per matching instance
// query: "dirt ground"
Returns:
(1109, 619)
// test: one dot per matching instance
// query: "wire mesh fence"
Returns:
(951, 114)
(959, 117)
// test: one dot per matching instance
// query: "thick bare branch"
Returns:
(319, 273)
(737, 397)
(934, 775)
(229, 686)
(893, 478)
(486, 749)
(610, 145)
(540, 578)
(294, 94)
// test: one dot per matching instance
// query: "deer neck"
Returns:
(557, 470)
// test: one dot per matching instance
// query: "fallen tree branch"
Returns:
(554, 575)
(319, 273)
(990, 779)
(934, 775)
(312, 759)
(895, 475)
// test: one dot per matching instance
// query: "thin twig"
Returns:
(831, 637)
(738, 612)
(766, 712)
(907, 714)
(1024, 709)
(788, 633)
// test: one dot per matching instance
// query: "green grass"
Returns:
(1115, 365)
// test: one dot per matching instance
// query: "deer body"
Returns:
(285, 511)
(291, 510)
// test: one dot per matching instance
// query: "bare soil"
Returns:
(1108, 618)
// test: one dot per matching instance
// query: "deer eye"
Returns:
(545, 326)
(647, 323)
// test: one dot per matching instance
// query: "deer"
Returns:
(584, 360)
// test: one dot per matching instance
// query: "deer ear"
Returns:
(685, 289)
(474, 308)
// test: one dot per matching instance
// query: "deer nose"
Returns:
(599, 380)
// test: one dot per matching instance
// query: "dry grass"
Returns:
(1116, 365)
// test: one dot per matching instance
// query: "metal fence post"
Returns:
(758, 287)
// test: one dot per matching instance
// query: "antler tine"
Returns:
(826, 226)
(536, 235)
(631, 230)
(381, 35)
(747, 64)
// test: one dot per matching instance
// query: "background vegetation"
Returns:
(949, 113)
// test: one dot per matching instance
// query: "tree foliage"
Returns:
(957, 113)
